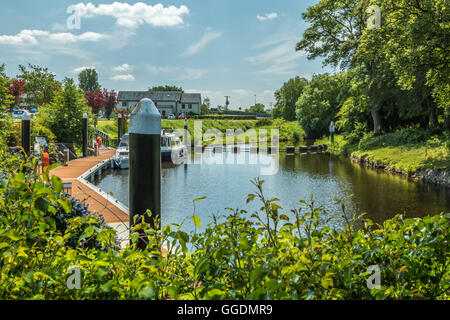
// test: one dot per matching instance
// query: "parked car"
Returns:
(181, 116)
(17, 114)
(171, 117)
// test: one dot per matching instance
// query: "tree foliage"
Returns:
(166, 88)
(64, 115)
(286, 98)
(41, 87)
(110, 102)
(88, 80)
(405, 62)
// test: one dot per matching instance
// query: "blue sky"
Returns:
(215, 47)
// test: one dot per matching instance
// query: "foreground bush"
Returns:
(267, 257)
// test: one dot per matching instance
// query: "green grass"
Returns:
(405, 150)
(289, 131)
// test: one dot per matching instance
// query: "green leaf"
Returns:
(197, 221)
(13, 235)
(87, 233)
(148, 292)
(66, 205)
(57, 184)
(200, 199)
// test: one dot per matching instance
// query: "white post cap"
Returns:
(85, 116)
(26, 116)
(145, 118)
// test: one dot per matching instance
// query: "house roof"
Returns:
(160, 96)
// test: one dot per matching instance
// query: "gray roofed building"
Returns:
(167, 102)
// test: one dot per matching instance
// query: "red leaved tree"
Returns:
(17, 89)
(95, 100)
(110, 102)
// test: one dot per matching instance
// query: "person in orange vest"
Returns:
(45, 161)
(99, 142)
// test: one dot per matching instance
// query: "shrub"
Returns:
(266, 257)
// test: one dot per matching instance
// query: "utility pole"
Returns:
(227, 103)
(255, 99)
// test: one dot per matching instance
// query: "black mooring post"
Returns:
(145, 164)
(119, 126)
(85, 135)
(26, 126)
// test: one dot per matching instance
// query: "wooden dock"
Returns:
(97, 203)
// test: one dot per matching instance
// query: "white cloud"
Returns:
(268, 16)
(279, 57)
(192, 74)
(178, 73)
(131, 16)
(36, 37)
(79, 69)
(207, 37)
(242, 92)
(162, 70)
(123, 68)
(123, 77)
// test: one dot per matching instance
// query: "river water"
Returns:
(224, 178)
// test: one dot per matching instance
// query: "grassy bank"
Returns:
(407, 151)
(289, 131)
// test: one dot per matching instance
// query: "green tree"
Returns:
(166, 88)
(41, 84)
(319, 103)
(5, 101)
(88, 80)
(418, 51)
(287, 97)
(64, 115)
(258, 108)
(335, 31)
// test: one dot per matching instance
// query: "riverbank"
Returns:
(414, 154)
(290, 131)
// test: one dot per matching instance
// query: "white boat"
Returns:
(172, 150)
(121, 159)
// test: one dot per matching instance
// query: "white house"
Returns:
(170, 102)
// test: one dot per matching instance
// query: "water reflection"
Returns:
(325, 176)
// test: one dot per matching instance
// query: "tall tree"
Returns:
(287, 97)
(41, 84)
(64, 115)
(88, 80)
(335, 34)
(319, 103)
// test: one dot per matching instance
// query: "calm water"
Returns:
(227, 186)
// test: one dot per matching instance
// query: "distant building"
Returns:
(170, 102)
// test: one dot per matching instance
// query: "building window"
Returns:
(183, 106)
(190, 106)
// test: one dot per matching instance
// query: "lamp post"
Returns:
(85, 135)
(26, 126)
